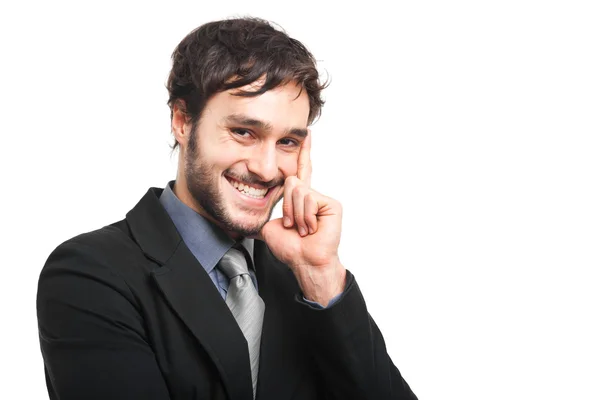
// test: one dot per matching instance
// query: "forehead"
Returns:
(283, 107)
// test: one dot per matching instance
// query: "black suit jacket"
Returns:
(127, 312)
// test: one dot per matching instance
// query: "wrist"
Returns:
(321, 283)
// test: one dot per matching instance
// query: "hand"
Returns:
(308, 241)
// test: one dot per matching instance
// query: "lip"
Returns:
(251, 201)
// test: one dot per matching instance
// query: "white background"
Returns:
(461, 137)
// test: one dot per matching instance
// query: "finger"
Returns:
(288, 204)
(311, 209)
(298, 195)
(268, 230)
(304, 163)
(260, 235)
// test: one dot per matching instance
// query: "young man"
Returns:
(196, 294)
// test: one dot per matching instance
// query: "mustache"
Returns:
(255, 180)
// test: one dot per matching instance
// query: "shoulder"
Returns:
(104, 251)
(85, 283)
(100, 243)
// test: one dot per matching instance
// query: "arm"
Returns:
(348, 347)
(349, 350)
(91, 333)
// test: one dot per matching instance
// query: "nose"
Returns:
(263, 162)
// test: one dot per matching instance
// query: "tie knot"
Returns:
(233, 263)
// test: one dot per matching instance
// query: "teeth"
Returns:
(249, 191)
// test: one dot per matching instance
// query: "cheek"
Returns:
(223, 155)
(288, 164)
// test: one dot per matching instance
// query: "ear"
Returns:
(180, 126)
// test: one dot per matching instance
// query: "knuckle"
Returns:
(291, 180)
(297, 191)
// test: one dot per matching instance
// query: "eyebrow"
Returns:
(245, 120)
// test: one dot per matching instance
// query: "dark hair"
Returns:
(232, 53)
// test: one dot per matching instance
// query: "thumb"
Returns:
(258, 235)
(270, 228)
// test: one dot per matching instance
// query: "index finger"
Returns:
(304, 163)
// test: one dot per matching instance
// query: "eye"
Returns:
(288, 142)
(241, 132)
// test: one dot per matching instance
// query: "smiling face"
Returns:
(232, 167)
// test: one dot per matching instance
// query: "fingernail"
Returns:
(302, 231)
(287, 221)
(311, 230)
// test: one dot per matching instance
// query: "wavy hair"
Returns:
(232, 53)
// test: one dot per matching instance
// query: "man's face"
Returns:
(243, 148)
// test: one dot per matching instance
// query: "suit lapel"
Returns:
(192, 295)
(278, 358)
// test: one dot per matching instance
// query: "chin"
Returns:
(245, 219)
(248, 224)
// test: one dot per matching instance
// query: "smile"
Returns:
(250, 191)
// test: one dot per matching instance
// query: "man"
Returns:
(196, 294)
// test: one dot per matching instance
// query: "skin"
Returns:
(262, 141)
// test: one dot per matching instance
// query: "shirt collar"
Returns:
(207, 242)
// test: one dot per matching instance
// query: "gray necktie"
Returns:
(245, 304)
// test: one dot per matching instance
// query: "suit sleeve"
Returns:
(91, 332)
(350, 352)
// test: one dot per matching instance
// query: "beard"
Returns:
(202, 184)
